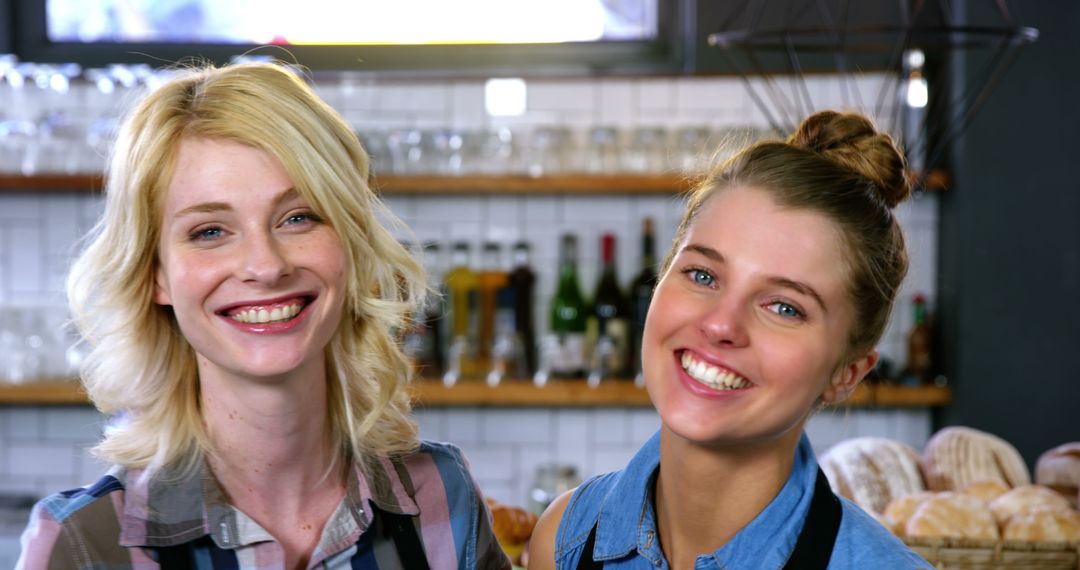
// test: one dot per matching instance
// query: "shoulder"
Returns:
(438, 463)
(542, 542)
(864, 543)
(78, 527)
(566, 523)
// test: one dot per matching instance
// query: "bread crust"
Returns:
(872, 471)
(1044, 524)
(1026, 498)
(958, 456)
(1059, 469)
(952, 515)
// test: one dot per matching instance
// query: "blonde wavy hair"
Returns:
(140, 366)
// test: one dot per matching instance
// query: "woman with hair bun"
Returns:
(243, 301)
(779, 284)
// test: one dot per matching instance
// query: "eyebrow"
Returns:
(797, 286)
(206, 207)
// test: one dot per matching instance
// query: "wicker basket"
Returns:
(966, 554)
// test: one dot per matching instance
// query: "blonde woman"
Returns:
(241, 298)
(771, 301)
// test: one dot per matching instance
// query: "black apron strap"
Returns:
(175, 557)
(406, 540)
(815, 544)
(585, 562)
(812, 549)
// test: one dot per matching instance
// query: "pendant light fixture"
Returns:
(930, 64)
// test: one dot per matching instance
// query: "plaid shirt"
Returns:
(120, 521)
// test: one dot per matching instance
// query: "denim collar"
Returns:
(627, 520)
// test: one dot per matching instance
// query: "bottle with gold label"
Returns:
(462, 287)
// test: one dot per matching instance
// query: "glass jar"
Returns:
(552, 480)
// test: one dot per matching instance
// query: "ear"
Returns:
(161, 289)
(847, 377)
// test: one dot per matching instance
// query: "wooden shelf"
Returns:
(437, 185)
(442, 185)
(48, 392)
(516, 393)
(570, 183)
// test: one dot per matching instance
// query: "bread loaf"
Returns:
(1044, 524)
(1026, 498)
(1059, 469)
(985, 491)
(958, 456)
(512, 525)
(872, 471)
(900, 509)
(952, 515)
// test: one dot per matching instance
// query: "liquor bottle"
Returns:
(568, 313)
(608, 330)
(522, 280)
(431, 325)
(508, 350)
(490, 279)
(641, 291)
(462, 286)
(919, 364)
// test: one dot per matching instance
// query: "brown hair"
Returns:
(841, 166)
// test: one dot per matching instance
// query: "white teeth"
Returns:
(711, 376)
(262, 316)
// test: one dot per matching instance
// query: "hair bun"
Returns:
(852, 141)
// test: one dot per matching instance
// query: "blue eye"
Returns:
(701, 277)
(304, 218)
(786, 310)
(204, 234)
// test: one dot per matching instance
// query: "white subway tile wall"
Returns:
(43, 449)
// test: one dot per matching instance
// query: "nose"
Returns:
(265, 260)
(724, 323)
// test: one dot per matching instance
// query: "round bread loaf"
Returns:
(1044, 524)
(958, 456)
(900, 510)
(1026, 498)
(985, 491)
(872, 471)
(952, 515)
(1059, 469)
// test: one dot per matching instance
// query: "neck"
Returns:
(706, 495)
(268, 435)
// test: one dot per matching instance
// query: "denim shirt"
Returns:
(620, 505)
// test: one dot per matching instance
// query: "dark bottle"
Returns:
(641, 291)
(522, 279)
(608, 325)
(919, 363)
(491, 277)
(430, 358)
(568, 314)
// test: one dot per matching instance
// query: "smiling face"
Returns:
(749, 324)
(255, 278)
